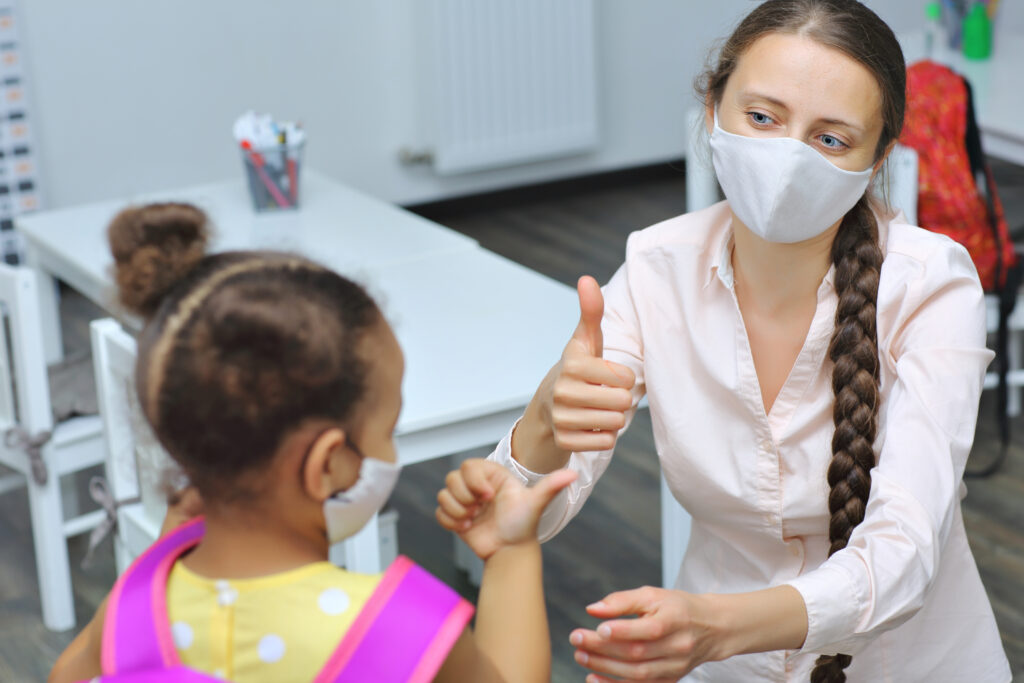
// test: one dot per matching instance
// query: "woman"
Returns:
(813, 367)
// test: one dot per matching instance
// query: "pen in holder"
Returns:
(273, 174)
(272, 158)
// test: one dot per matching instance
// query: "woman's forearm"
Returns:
(760, 621)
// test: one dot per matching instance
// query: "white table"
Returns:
(336, 225)
(997, 84)
(478, 331)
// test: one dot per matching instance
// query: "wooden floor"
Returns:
(614, 543)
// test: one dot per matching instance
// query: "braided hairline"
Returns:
(187, 308)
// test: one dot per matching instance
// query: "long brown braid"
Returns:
(853, 351)
(853, 29)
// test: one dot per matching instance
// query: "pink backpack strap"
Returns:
(136, 630)
(403, 633)
(178, 674)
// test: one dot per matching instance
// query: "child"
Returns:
(276, 384)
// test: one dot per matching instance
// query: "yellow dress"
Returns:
(270, 629)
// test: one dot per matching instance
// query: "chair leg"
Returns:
(362, 551)
(1013, 350)
(51, 554)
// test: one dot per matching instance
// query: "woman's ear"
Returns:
(325, 466)
(709, 114)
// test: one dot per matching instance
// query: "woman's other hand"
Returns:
(672, 632)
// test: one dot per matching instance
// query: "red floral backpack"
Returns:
(958, 198)
(940, 127)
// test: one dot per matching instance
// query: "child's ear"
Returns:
(320, 470)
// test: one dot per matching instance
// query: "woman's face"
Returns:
(792, 86)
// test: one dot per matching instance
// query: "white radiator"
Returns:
(506, 81)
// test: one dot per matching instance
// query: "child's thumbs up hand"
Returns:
(490, 509)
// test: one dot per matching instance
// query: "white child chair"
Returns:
(40, 449)
(137, 466)
(139, 469)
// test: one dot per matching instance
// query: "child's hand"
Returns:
(489, 508)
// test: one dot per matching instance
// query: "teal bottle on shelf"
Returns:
(977, 37)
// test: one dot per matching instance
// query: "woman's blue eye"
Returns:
(759, 118)
(832, 142)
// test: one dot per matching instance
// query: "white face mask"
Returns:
(781, 188)
(346, 512)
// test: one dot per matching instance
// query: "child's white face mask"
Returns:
(346, 512)
(781, 188)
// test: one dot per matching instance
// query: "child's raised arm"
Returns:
(497, 517)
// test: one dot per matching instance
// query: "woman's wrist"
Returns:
(760, 621)
(533, 442)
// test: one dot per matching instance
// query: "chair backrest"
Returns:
(901, 178)
(136, 463)
(24, 387)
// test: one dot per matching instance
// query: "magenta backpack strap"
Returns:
(178, 674)
(403, 633)
(136, 629)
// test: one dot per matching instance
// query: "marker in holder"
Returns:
(273, 174)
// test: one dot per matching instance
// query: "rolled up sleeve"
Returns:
(938, 355)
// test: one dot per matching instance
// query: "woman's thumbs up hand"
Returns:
(587, 402)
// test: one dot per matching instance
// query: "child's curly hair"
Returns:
(239, 348)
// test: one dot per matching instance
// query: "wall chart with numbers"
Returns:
(19, 187)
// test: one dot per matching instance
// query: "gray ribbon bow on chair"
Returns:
(99, 491)
(32, 445)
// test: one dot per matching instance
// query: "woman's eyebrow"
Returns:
(746, 96)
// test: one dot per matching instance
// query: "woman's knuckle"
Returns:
(638, 651)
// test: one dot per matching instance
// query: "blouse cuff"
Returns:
(503, 456)
(834, 603)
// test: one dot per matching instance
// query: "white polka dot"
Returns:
(271, 648)
(333, 601)
(183, 635)
(219, 673)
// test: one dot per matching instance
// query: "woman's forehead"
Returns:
(809, 79)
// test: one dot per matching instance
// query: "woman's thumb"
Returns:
(591, 312)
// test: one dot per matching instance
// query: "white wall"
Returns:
(136, 96)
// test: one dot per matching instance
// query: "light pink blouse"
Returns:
(904, 597)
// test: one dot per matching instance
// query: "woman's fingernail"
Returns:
(576, 638)
(598, 604)
(581, 657)
(604, 630)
